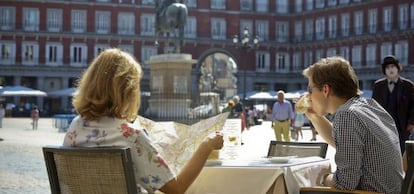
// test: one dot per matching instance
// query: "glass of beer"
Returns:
(233, 139)
(303, 103)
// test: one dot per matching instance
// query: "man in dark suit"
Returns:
(396, 95)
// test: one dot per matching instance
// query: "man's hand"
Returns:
(410, 128)
(322, 176)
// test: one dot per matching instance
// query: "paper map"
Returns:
(176, 142)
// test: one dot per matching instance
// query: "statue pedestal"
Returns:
(170, 85)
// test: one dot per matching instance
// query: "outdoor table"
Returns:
(258, 176)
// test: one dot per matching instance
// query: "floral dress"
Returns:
(151, 170)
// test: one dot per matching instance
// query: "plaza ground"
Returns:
(22, 167)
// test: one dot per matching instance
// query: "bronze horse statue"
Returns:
(171, 18)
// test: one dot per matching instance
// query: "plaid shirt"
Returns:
(368, 155)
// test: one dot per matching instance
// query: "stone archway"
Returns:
(216, 72)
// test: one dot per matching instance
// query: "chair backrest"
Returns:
(300, 149)
(407, 187)
(100, 170)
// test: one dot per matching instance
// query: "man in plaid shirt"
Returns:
(365, 137)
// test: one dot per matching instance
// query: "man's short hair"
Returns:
(336, 72)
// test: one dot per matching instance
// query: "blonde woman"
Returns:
(107, 103)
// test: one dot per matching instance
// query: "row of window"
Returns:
(319, 28)
(53, 53)
(284, 62)
(310, 29)
(345, 24)
(281, 6)
(359, 56)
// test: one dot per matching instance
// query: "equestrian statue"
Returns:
(171, 17)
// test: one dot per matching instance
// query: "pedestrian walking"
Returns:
(282, 114)
(229, 107)
(298, 124)
(238, 112)
(34, 114)
(2, 114)
(314, 132)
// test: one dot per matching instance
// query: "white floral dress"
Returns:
(151, 170)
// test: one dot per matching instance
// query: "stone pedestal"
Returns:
(213, 99)
(170, 85)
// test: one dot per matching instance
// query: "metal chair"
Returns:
(98, 170)
(407, 186)
(300, 149)
(330, 190)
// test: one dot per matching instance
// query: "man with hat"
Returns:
(396, 95)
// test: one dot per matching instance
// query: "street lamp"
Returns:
(246, 44)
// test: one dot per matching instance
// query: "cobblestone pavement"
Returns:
(22, 167)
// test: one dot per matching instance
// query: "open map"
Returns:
(176, 142)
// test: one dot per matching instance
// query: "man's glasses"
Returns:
(310, 89)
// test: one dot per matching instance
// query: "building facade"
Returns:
(47, 44)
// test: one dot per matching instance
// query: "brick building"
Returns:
(46, 44)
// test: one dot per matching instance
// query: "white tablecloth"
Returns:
(258, 176)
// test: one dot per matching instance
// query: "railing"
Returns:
(186, 109)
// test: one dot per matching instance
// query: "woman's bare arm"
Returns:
(193, 167)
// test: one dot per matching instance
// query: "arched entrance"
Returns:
(216, 72)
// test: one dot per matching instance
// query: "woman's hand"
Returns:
(193, 167)
(216, 142)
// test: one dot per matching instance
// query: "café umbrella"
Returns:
(270, 95)
(20, 91)
(294, 94)
(74, 91)
(63, 92)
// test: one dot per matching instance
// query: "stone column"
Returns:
(17, 82)
(39, 100)
(170, 82)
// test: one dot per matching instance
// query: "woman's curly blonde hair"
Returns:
(109, 87)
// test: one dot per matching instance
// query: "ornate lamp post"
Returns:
(245, 43)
